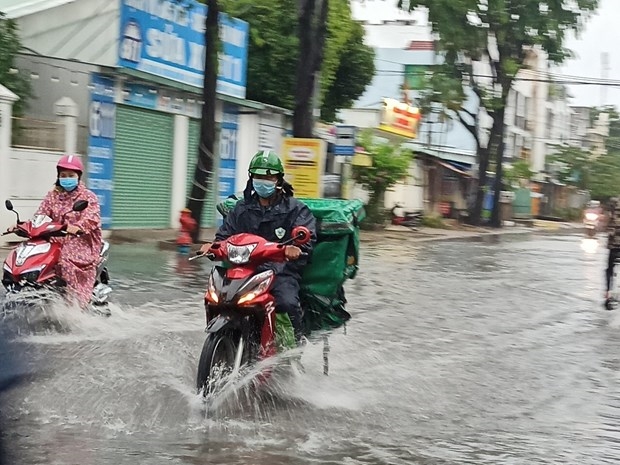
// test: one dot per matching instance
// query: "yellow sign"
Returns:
(361, 159)
(399, 118)
(303, 165)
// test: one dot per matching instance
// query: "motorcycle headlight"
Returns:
(256, 286)
(28, 250)
(591, 216)
(240, 254)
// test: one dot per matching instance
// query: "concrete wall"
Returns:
(72, 83)
(32, 175)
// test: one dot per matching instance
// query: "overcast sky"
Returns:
(601, 34)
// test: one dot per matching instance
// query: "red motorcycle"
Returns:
(240, 311)
(31, 266)
(410, 219)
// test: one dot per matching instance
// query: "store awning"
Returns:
(453, 168)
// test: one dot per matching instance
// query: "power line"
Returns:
(583, 81)
(550, 75)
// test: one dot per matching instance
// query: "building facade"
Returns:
(134, 70)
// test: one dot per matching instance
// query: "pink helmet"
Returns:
(70, 162)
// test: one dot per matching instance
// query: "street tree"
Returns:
(312, 30)
(519, 171)
(390, 164)
(485, 43)
(348, 64)
(356, 67)
(10, 46)
(571, 166)
(580, 168)
(203, 180)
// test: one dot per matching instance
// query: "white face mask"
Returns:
(264, 187)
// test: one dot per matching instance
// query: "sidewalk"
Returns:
(467, 232)
(165, 238)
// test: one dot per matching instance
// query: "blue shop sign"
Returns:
(228, 151)
(102, 116)
(166, 38)
(345, 140)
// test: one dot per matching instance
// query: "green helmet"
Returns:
(266, 162)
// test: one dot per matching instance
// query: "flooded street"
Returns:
(495, 351)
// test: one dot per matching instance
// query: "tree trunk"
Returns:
(496, 217)
(483, 166)
(203, 173)
(312, 29)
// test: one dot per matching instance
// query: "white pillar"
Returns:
(248, 143)
(179, 168)
(7, 98)
(67, 110)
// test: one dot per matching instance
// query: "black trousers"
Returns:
(614, 254)
(285, 290)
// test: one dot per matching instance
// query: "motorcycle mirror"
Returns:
(301, 235)
(9, 205)
(80, 205)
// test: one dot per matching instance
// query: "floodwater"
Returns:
(495, 351)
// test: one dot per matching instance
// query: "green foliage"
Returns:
(465, 25)
(433, 221)
(598, 175)
(347, 68)
(519, 170)
(273, 49)
(390, 164)
(500, 32)
(572, 166)
(10, 46)
(355, 70)
(605, 176)
(568, 214)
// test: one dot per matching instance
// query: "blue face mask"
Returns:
(263, 187)
(68, 184)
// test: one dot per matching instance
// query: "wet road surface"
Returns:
(489, 352)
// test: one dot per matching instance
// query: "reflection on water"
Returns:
(589, 245)
(490, 353)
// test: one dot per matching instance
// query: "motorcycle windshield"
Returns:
(39, 220)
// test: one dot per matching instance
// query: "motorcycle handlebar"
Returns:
(210, 256)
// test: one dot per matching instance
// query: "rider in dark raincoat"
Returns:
(268, 209)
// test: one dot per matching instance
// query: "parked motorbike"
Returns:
(30, 270)
(591, 223)
(240, 311)
(411, 219)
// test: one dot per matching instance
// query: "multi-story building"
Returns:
(404, 51)
(587, 135)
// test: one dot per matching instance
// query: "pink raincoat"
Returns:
(79, 255)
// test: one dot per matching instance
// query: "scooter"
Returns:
(240, 310)
(409, 219)
(30, 270)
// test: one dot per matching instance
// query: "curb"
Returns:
(387, 234)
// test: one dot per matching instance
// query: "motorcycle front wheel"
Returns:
(216, 363)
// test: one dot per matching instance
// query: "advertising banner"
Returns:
(228, 151)
(102, 115)
(166, 38)
(399, 118)
(303, 165)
